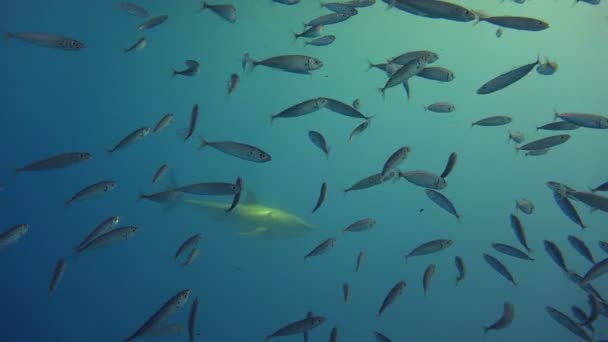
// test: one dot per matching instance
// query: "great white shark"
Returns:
(254, 219)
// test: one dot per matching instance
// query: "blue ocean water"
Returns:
(57, 101)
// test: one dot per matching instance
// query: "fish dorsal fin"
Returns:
(309, 314)
(250, 197)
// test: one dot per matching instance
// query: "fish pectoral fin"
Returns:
(255, 232)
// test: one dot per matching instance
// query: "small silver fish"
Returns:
(436, 74)
(581, 248)
(346, 292)
(322, 248)
(130, 139)
(189, 243)
(556, 255)
(548, 68)
(506, 79)
(162, 197)
(360, 259)
(449, 166)
(296, 64)
(338, 7)
(360, 225)
(524, 205)
(298, 327)
(498, 120)
(371, 181)
(584, 119)
(192, 319)
(430, 247)
(511, 251)
(134, 9)
(321, 198)
(165, 121)
(160, 173)
(193, 121)
(461, 268)
(428, 275)
(57, 275)
(13, 234)
(392, 296)
(559, 126)
(101, 228)
(596, 202)
(302, 108)
(443, 202)
(596, 271)
(404, 73)
(505, 319)
(440, 107)
(328, 19)
(192, 256)
(92, 191)
(140, 44)
(342, 108)
(239, 150)
(153, 22)
(47, 40)
(233, 83)
(358, 130)
(512, 22)
(56, 162)
(227, 12)
(394, 160)
(192, 69)
(109, 238)
(520, 231)
(333, 335)
(319, 141)
(424, 179)
(172, 305)
(321, 41)
(499, 267)
(407, 57)
(568, 323)
(311, 32)
(544, 143)
(517, 137)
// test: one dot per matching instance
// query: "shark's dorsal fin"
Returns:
(250, 197)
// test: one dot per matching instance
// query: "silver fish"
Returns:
(193, 121)
(92, 191)
(333, 335)
(442, 201)
(568, 323)
(298, 327)
(321, 198)
(584, 119)
(426, 278)
(192, 68)
(302, 108)
(57, 275)
(13, 234)
(581, 316)
(360, 3)
(461, 268)
(342, 108)
(392, 296)
(556, 255)
(559, 126)
(172, 305)
(404, 73)
(328, 19)
(192, 319)
(166, 196)
(439, 10)
(56, 162)
(499, 267)
(590, 2)
(233, 83)
(371, 181)
(360, 225)
(134, 9)
(544, 143)
(360, 259)
(516, 23)
(394, 160)
(108, 238)
(47, 40)
(601, 187)
(520, 231)
(430, 247)
(319, 141)
(505, 319)
(140, 44)
(504, 80)
(588, 288)
(524, 205)
(287, 2)
(440, 107)
(517, 137)
(237, 197)
(227, 12)
(436, 74)
(322, 248)
(381, 338)
(449, 166)
(581, 248)
(346, 292)
(210, 189)
(338, 7)
(548, 68)
(296, 64)
(424, 179)
(189, 243)
(130, 139)
(321, 41)
(498, 32)
(101, 228)
(596, 271)
(191, 257)
(153, 22)
(239, 150)
(410, 56)
(311, 32)
(165, 121)
(511, 251)
(596, 202)
(498, 120)
(358, 130)
(160, 173)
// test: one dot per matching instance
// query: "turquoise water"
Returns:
(248, 287)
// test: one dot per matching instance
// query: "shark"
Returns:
(254, 219)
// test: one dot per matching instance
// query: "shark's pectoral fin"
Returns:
(255, 232)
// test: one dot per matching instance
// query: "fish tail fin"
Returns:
(390, 4)
(109, 152)
(295, 36)
(75, 251)
(485, 330)
(272, 118)
(204, 142)
(425, 108)
(555, 114)
(370, 65)
(140, 196)
(173, 73)
(509, 137)
(204, 5)
(67, 202)
(382, 91)
(327, 153)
